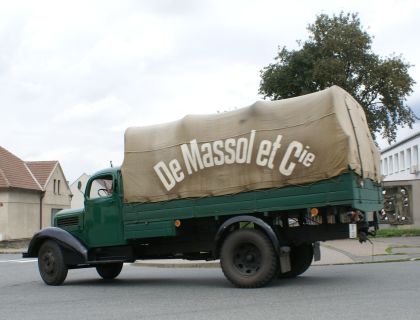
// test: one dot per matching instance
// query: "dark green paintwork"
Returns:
(108, 221)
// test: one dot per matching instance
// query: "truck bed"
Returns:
(144, 220)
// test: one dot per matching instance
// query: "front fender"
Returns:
(63, 238)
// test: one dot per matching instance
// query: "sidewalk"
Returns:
(380, 250)
(332, 252)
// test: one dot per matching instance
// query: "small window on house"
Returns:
(415, 156)
(55, 186)
(402, 161)
(408, 158)
(58, 186)
(396, 163)
(386, 166)
(391, 167)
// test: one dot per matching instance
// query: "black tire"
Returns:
(248, 259)
(51, 264)
(300, 258)
(110, 270)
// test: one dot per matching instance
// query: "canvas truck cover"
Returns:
(270, 144)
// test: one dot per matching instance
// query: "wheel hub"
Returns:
(48, 262)
(247, 259)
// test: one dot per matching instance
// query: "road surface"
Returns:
(361, 291)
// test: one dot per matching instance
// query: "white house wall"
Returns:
(401, 162)
(78, 199)
(400, 167)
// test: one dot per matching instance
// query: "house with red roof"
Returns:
(31, 193)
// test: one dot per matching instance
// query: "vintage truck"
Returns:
(257, 188)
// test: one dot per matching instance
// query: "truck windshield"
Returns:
(101, 187)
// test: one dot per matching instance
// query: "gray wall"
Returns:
(19, 214)
(414, 197)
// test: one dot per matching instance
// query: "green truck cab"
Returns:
(259, 232)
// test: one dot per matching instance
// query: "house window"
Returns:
(58, 186)
(408, 158)
(386, 166)
(55, 186)
(402, 161)
(415, 156)
(391, 167)
(396, 163)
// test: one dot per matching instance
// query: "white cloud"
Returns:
(109, 107)
(75, 74)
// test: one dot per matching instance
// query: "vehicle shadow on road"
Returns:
(208, 281)
(155, 282)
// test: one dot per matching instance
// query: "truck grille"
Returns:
(67, 221)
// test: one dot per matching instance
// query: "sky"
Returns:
(75, 74)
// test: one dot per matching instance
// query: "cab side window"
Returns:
(101, 187)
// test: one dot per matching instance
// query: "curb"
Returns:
(12, 251)
(215, 265)
(367, 262)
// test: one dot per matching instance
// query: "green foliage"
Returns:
(338, 52)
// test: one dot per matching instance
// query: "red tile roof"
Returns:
(3, 180)
(42, 170)
(14, 173)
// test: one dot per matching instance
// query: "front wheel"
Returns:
(248, 259)
(109, 270)
(51, 264)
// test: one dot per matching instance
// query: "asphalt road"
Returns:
(369, 291)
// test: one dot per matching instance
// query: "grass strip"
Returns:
(388, 233)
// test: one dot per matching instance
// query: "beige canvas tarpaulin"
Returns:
(270, 144)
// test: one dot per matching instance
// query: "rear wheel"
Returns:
(300, 260)
(109, 270)
(248, 259)
(51, 263)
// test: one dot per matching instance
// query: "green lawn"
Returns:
(386, 233)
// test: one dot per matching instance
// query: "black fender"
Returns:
(221, 233)
(63, 238)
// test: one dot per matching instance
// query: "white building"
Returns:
(400, 169)
(78, 195)
(78, 199)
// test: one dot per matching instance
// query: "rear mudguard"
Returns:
(223, 230)
(63, 238)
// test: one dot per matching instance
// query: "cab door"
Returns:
(103, 220)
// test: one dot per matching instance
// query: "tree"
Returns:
(338, 52)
